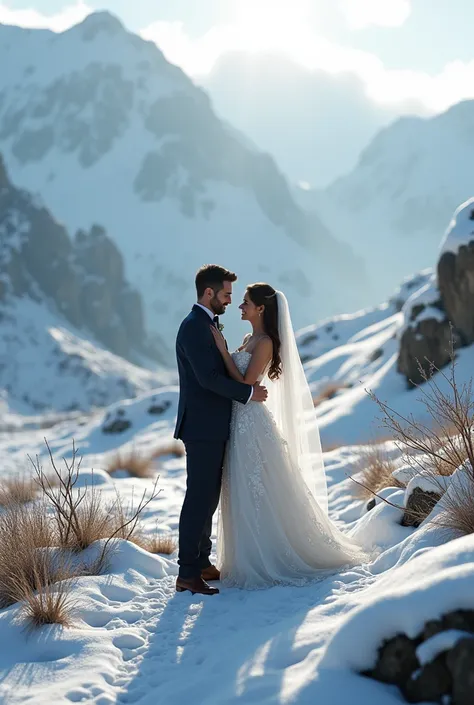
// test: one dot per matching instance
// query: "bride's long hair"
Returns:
(265, 295)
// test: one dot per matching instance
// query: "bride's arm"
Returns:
(261, 356)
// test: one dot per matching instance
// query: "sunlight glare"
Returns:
(271, 24)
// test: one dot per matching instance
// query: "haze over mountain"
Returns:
(394, 207)
(314, 123)
(98, 123)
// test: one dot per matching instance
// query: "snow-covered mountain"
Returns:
(395, 205)
(63, 302)
(98, 123)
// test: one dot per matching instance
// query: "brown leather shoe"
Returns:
(211, 573)
(196, 585)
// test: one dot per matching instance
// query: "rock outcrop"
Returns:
(440, 315)
(446, 675)
(82, 278)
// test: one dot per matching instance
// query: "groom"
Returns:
(204, 411)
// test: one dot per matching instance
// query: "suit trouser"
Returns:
(203, 486)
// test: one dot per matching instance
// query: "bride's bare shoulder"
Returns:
(244, 341)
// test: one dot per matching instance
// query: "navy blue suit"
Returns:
(203, 424)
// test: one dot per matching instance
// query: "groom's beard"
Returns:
(217, 306)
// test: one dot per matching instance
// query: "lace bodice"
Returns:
(242, 360)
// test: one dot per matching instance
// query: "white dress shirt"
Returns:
(211, 315)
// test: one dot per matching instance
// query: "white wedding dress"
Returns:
(272, 529)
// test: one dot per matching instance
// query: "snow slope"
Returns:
(394, 206)
(107, 131)
(46, 364)
(136, 640)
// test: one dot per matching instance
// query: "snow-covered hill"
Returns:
(107, 131)
(395, 205)
(348, 356)
(46, 364)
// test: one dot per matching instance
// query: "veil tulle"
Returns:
(291, 403)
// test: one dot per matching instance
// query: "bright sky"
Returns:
(402, 49)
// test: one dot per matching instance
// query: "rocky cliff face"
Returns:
(83, 278)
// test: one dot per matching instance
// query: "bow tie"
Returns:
(215, 320)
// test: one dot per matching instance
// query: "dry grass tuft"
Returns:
(163, 544)
(376, 467)
(175, 448)
(134, 463)
(17, 490)
(28, 566)
(457, 512)
(328, 392)
(51, 604)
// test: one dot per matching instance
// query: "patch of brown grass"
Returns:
(29, 568)
(51, 604)
(376, 467)
(175, 448)
(328, 392)
(136, 464)
(163, 544)
(17, 490)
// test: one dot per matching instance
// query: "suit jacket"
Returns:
(206, 391)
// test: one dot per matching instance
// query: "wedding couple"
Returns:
(255, 447)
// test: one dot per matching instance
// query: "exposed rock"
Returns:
(428, 342)
(448, 677)
(431, 628)
(430, 683)
(460, 662)
(117, 423)
(396, 661)
(371, 504)
(456, 285)
(419, 505)
(461, 620)
(84, 279)
(157, 408)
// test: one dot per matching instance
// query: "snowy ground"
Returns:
(137, 641)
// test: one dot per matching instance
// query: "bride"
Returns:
(273, 524)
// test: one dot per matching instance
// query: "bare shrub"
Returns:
(376, 468)
(17, 490)
(445, 442)
(442, 445)
(79, 515)
(134, 463)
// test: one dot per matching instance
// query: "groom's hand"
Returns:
(259, 393)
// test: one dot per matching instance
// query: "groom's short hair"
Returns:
(213, 276)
